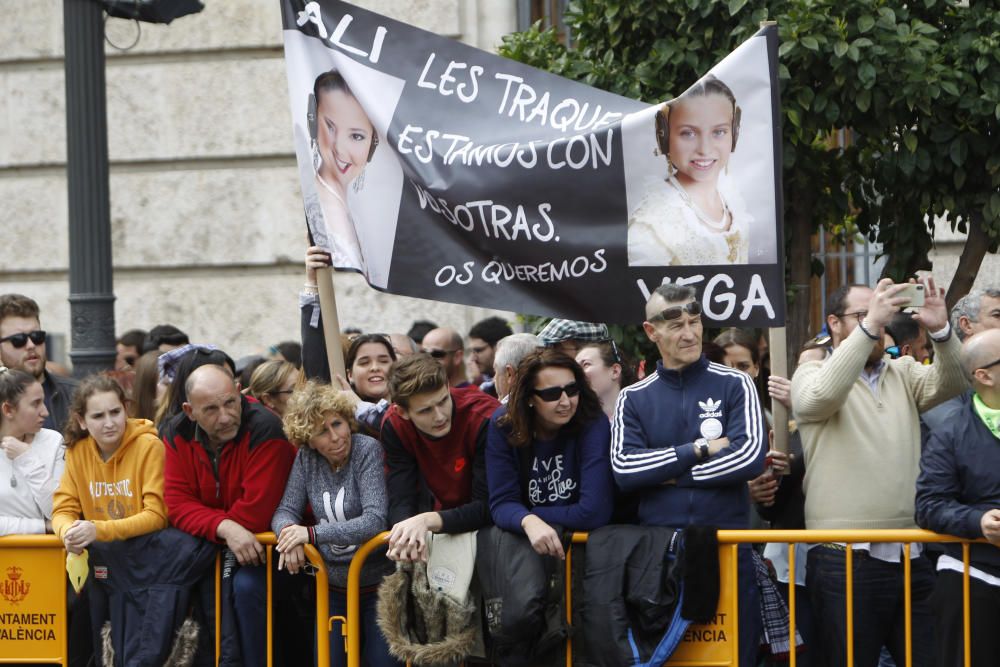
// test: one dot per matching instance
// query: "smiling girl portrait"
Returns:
(694, 217)
(343, 142)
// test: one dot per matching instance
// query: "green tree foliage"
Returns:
(914, 88)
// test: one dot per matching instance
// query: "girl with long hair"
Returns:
(112, 488)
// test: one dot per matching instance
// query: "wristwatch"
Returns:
(701, 446)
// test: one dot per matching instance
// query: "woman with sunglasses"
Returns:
(31, 457)
(606, 370)
(547, 454)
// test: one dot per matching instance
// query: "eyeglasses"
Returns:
(989, 365)
(439, 354)
(860, 315)
(551, 394)
(19, 340)
(282, 391)
(672, 313)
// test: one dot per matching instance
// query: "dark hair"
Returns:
(352, 351)
(491, 330)
(903, 329)
(94, 384)
(17, 305)
(147, 377)
(290, 351)
(164, 334)
(743, 338)
(176, 395)
(133, 338)
(672, 293)
(836, 302)
(13, 383)
(250, 366)
(521, 418)
(415, 374)
(611, 354)
(419, 329)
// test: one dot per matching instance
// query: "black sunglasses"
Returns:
(19, 340)
(440, 354)
(550, 394)
(672, 313)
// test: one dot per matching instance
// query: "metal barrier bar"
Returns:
(792, 647)
(268, 539)
(908, 604)
(315, 558)
(849, 571)
(966, 604)
(725, 537)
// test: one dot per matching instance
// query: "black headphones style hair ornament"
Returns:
(661, 124)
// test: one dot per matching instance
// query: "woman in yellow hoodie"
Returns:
(112, 488)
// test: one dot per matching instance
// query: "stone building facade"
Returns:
(207, 224)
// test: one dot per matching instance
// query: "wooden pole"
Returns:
(779, 366)
(331, 324)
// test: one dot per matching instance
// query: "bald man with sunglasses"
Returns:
(22, 347)
(689, 437)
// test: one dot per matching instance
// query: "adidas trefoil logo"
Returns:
(710, 408)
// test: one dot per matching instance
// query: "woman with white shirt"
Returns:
(31, 457)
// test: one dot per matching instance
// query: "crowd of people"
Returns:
(181, 452)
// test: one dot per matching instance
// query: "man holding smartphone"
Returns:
(858, 414)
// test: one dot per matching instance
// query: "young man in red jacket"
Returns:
(227, 461)
(435, 443)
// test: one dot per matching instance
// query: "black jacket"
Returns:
(959, 481)
(58, 395)
(144, 586)
(632, 591)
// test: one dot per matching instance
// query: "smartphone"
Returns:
(915, 293)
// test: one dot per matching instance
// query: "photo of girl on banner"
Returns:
(342, 143)
(350, 178)
(694, 218)
(699, 171)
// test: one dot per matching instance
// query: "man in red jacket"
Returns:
(435, 442)
(227, 461)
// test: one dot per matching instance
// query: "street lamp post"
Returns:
(91, 296)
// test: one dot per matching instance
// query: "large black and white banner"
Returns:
(441, 171)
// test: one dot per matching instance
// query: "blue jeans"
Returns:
(250, 604)
(374, 650)
(878, 608)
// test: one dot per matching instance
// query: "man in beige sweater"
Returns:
(858, 415)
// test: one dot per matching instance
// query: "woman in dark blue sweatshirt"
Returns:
(547, 454)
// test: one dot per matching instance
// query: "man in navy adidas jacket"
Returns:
(689, 437)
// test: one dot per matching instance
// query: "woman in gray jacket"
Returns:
(340, 474)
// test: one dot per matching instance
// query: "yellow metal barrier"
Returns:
(33, 590)
(728, 543)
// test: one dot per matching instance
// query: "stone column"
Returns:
(91, 298)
